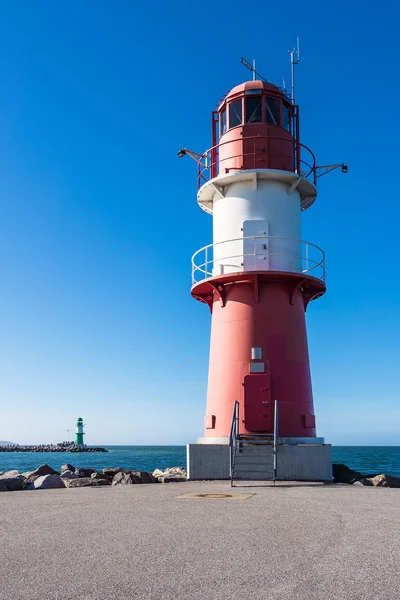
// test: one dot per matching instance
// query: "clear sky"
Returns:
(99, 218)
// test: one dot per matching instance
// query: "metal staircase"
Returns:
(253, 457)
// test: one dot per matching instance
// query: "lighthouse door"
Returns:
(257, 403)
(255, 245)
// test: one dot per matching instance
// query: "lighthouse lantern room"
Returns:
(79, 433)
(257, 278)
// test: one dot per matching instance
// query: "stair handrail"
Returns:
(233, 437)
(276, 436)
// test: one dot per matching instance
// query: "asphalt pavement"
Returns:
(297, 542)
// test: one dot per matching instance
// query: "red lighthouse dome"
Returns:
(258, 129)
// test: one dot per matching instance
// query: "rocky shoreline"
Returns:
(45, 477)
(51, 448)
(342, 474)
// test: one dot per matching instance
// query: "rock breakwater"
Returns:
(51, 448)
(45, 477)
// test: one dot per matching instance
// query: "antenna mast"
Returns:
(252, 68)
(294, 60)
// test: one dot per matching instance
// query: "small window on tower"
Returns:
(235, 113)
(285, 117)
(222, 122)
(253, 110)
(273, 111)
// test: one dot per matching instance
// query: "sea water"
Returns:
(366, 459)
(139, 458)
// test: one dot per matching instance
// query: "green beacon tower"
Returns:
(79, 432)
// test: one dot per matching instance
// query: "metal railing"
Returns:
(233, 437)
(210, 163)
(235, 440)
(258, 253)
(276, 439)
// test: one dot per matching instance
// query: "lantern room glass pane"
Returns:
(285, 117)
(253, 110)
(273, 110)
(222, 122)
(235, 113)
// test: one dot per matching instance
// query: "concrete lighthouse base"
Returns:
(306, 461)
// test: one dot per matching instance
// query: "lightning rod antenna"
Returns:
(294, 60)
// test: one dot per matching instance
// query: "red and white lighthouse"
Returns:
(258, 276)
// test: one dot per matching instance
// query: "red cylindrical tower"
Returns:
(258, 275)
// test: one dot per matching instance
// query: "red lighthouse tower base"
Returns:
(265, 311)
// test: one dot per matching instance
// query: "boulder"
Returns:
(67, 467)
(363, 481)
(11, 481)
(30, 479)
(386, 481)
(8, 474)
(174, 474)
(97, 475)
(148, 477)
(43, 470)
(82, 472)
(86, 482)
(112, 472)
(127, 478)
(158, 473)
(46, 482)
(15, 484)
(3, 486)
(68, 474)
(366, 481)
(342, 474)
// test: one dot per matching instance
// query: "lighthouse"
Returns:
(258, 278)
(79, 433)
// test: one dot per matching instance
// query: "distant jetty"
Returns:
(62, 447)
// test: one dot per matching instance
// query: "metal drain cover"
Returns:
(218, 496)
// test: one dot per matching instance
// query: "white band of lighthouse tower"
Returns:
(249, 212)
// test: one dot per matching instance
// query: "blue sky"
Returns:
(99, 218)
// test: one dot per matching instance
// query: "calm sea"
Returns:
(367, 459)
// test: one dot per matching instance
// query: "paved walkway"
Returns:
(316, 542)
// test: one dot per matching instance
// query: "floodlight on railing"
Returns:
(324, 169)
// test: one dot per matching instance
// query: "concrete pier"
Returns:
(299, 541)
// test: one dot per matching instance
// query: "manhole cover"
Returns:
(215, 495)
(218, 496)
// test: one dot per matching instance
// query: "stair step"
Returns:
(260, 468)
(254, 458)
(255, 477)
(248, 443)
(266, 451)
(255, 435)
(248, 465)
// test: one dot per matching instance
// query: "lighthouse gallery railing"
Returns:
(258, 253)
(210, 162)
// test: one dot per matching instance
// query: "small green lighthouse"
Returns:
(79, 432)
